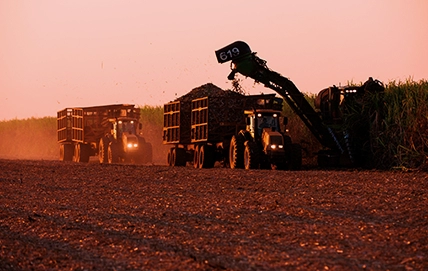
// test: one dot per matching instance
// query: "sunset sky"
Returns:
(69, 53)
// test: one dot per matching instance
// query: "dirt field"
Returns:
(67, 216)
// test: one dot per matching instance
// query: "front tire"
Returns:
(112, 153)
(236, 152)
(103, 150)
(145, 154)
(251, 157)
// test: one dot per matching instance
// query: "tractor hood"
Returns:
(272, 140)
(130, 142)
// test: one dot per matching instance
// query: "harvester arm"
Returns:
(248, 64)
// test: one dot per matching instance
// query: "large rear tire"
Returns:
(327, 158)
(251, 155)
(236, 152)
(296, 157)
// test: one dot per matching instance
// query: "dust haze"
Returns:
(36, 139)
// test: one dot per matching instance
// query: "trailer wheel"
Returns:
(66, 152)
(76, 153)
(206, 159)
(196, 157)
(85, 153)
(177, 157)
(251, 157)
(169, 157)
(236, 152)
(103, 150)
(81, 153)
(173, 157)
(180, 157)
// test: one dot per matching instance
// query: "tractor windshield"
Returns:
(127, 127)
(267, 121)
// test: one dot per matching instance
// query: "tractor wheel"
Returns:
(236, 152)
(295, 162)
(145, 153)
(148, 153)
(112, 153)
(206, 159)
(66, 152)
(103, 150)
(251, 155)
(327, 158)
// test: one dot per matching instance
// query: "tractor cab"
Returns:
(264, 127)
(125, 125)
(124, 130)
(262, 120)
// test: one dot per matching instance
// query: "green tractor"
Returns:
(263, 145)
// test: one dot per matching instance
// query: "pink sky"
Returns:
(61, 53)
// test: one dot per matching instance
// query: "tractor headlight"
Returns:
(274, 146)
(132, 145)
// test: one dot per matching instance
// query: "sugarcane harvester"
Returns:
(345, 140)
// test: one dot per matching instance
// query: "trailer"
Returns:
(111, 132)
(210, 129)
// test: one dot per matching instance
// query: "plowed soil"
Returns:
(68, 216)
